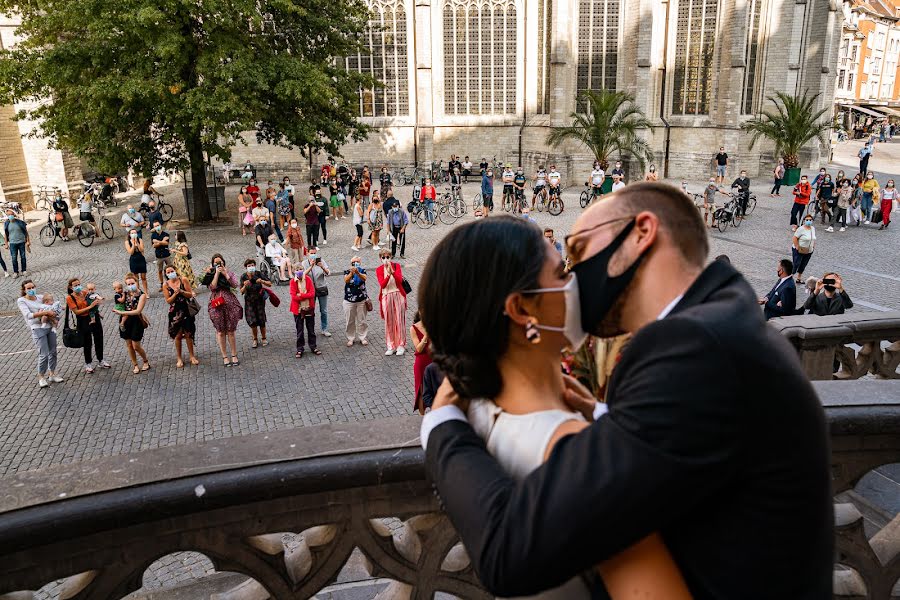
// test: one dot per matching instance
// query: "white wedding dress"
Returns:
(519, 443)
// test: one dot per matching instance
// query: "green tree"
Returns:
(167, 84)
(794, 123)
(609, 122)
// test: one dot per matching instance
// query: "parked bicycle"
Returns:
(164, 208)
(85, 231)
(43, 200)
(420, 215)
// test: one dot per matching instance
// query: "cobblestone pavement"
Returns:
(115, 412)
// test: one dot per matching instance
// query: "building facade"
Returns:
(866, 87)
(489, 78)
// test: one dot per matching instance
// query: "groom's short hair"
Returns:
(676, 212)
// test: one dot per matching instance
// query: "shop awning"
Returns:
(867, 111)
(887, 110)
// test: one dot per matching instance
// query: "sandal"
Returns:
(226, 362)
(179, 364)
(254, 344)
(136, 370)
(316, 351)
(194, 361)
(146, 367)
(234, 361)
(265, 342)
(298, 355)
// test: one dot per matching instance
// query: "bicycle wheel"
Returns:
(736, 218)
(751, 204)
(265, 269)
(477, 202)
(507, 203)
(584, 199)
(722, 219)
(457, 208)
(42, 203)
(422, 221)
(539, 203)
(106, 227)
(166, 211)
(48, 235)
(555, 207)
(446, 216)
(85, 235)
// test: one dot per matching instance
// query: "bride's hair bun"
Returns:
(471, 376)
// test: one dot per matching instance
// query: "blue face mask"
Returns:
(172, 275)
(77, 289)
(32, 292)
(312, 257)
(131, 211)
(808, 222)
(357, 265)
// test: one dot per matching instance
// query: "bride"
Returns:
(500, 307)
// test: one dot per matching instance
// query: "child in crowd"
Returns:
(47, 303)
(119, 300)
(92, 296)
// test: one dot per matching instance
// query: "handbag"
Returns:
(193, 307)
(406, 286)
(369, 307)
(274, 299)
(321, 292)
(72, 338)
(217, 302)
(59, 216)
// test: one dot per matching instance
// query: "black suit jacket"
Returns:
(714, 437)
(786, 293)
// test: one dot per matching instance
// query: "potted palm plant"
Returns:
(608, 122)
(794, 123)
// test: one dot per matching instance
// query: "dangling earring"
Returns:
(531, 331)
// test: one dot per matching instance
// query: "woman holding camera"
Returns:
(224, 308)
(254, 287)
(829, 297)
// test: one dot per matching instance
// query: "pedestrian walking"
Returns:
(356, 303)
(869, 193)
(802, 192)
(134, 323)
(40, 320)
(224, 309)
(303, 307)
(778, 173)
(888, 196)
(15, 230)
(87, 322)
(392, 304)
(825, 198)
(864, 155)
(843, 205)
(183, 307)
(137, 263)
(804, 244)
(255, 287)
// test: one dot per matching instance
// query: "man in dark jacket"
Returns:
(735, 478)
(829, 297)
(782, 300)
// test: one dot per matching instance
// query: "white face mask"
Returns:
(572, 329)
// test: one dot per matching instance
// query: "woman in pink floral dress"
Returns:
(225, 310)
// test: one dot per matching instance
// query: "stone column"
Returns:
(563, 70)
(424, 110)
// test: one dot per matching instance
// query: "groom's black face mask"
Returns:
(598, 290)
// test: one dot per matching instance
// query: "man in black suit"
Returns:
(713, 435)
(782, 300)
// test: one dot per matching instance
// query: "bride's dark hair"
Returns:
(463, 289)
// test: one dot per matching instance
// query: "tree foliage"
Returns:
(155, 84)
(609, 123)
(792, 125)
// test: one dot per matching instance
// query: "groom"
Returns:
(713, 435)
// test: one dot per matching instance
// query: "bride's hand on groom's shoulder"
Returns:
(578, 398)
(447, 396)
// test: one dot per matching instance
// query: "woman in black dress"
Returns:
(254, 287)
(137, 264)
(182, 326)
(134, 324)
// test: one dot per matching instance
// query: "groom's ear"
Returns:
(515, 309)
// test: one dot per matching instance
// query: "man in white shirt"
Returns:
(132, 219)
(540, 185)
(597, 177)
(618, 184)
(507, 178)
(467, 169)
(554, 177)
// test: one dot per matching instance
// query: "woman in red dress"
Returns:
(422, 345)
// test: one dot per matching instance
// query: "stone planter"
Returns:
(791, 176)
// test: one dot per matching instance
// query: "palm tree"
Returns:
(610, 123)
(792, 124)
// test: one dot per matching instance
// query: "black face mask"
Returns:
(597, 290)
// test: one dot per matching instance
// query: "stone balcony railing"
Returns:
(99, 525)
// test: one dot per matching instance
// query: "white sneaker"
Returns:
(326, 334)
(843, 229)
(389, 353)
(401, 351)
(830, 229)
(325, 242)
(56, 379)
(43, 382)
(89, 369)
(25, 273)
(105, 364)
(866, 222)
(5, 273)
(354, 247)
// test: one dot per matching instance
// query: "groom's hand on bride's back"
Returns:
(447, 396)
(579, 398)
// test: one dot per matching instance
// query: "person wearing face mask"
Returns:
(263, 233)
(137, 263)
(818, 179)
(245, 210)
(869, 193)
(487, 191)
(618, 170)
(802, 192)
(829, 297)
(709, 202)
(392, 304)
(519, 181)
(804, 244)
(652, 175)
(778, 173)
(87, 322)
(132, 219)
(303, 307)
(180, 296)
(159, 239)
(356, 299)
(253, 287)
(134, 323)
(741, 185)
(597, 178)
(39, 321)
(844, 195)
(888, 196)
(670, 445)
(296, 243)
(317, 269)
(225, 311)
(825, 196)
(782, 300)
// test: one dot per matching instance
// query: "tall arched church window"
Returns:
(598, 43)
(480, 60)
(386, 61)
(751, 56)
(695, 41)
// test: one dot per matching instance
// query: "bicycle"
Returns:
(727, 215)
(164, 208)
(555, 206)
(539, 199)
(420, 214)
(588, 194)
(85, 231)
(106, 225)
(43, 200)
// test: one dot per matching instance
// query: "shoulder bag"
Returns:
(369, 307)
(406, 286)
(72, 338)
(193, 307)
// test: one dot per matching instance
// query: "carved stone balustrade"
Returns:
(100, 524)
